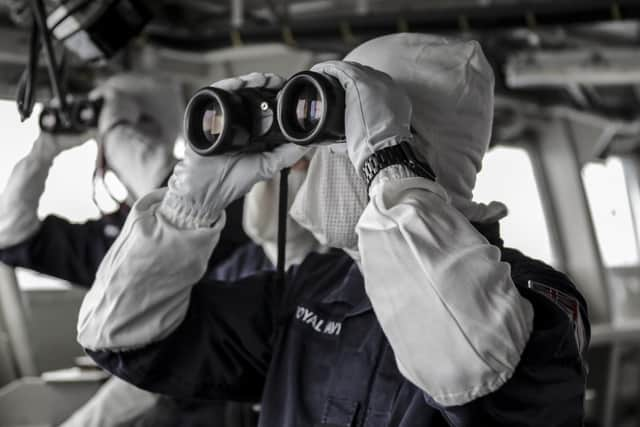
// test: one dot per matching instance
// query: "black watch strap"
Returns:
(400, 154)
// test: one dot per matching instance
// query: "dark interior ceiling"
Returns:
(583, 54)
(340, 24)
(505, 27)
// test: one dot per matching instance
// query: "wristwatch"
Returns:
(400, 154)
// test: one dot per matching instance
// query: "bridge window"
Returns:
(608, 197)
(507, 176)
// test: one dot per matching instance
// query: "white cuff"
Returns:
(20, 198)
(399, 178)
(143, 286)
(445, 301)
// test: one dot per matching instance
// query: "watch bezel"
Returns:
(400, 154)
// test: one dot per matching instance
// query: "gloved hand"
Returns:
(118, 107)
(48, 145)
(201, 187)
(19, 200)
(377, 110)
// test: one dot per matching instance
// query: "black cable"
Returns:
(282, 230)
(27, 85)
(39, 14)
(63, 70)
(25, 96)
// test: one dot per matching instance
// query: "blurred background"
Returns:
(564, 155)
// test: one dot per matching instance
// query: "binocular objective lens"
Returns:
(212, 122)
(311, 109)
(308, 108)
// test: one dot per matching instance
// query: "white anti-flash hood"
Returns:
(260, 220)
(450, 85)
(141, 153)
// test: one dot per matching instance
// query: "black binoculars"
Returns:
(82, 115)
(308, 109)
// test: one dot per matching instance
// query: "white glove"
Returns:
(201, 187)
(47, 146)
(377, 113)
(19, 201)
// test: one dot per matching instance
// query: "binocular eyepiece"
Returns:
(308, 109)
(83, 115)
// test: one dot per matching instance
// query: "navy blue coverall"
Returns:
(315, 355)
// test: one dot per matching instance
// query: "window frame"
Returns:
(631, 170)
(532, 149)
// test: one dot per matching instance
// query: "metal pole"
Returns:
(11, 306)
